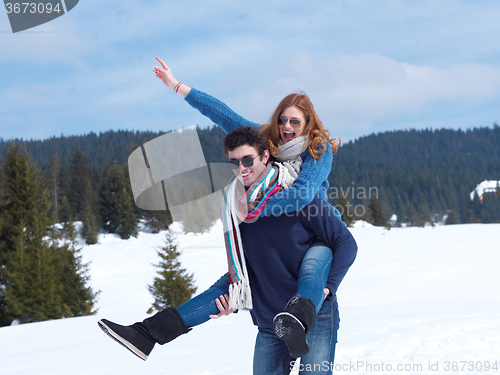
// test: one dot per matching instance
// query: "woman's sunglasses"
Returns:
(247, 161)
(293, 121)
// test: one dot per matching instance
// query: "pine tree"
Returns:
(79, 175)
(490, 211)
(34, 282)
(125, 215)
(174, 285)
(469, 217)
(117, 204)
(105, 208)
(157, 220)
(377, 212)
(89, 230)
(452, 218)
(476, 204)
(345, 208)
(95, 182)
(50, 175)
(64, 181)
(77, 298)
(30, 281)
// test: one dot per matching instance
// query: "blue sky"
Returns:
(368, 66)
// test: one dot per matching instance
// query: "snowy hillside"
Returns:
(415, 297)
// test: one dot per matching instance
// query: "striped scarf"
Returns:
(242, 205)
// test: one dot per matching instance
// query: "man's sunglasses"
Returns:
(247, 161)
(293, 121)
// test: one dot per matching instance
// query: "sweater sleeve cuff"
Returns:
(192, 95)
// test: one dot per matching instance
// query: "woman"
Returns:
(296, 138)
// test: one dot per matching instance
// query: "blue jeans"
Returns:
(313, 273)
(196, 311)
(271, 356)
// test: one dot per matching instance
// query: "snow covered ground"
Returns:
(416, 301)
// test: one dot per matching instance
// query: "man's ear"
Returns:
(265, 157)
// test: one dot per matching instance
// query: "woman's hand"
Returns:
(223, 306)
(165, 74)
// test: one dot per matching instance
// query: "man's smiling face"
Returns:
(248, 175)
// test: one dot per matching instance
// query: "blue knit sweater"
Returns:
(275, 246)
(313, 176)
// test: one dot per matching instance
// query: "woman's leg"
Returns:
(198, 309)
(299, 315)
(168, 323)
(313, 273)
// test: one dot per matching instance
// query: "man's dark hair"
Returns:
(245, 135)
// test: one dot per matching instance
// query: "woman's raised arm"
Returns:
(209, 106)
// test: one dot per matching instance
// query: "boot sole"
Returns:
(290, 330)
(120, 340)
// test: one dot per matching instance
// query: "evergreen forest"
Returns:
(422, 176)
(405, 177)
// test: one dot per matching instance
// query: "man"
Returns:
(264, 256)
(274, 247)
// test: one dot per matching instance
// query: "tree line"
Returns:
(420, 176)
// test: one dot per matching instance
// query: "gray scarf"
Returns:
(290, 153)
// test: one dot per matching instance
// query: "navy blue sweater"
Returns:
(275, 246)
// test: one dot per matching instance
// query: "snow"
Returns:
(415, 297)
(485, 187)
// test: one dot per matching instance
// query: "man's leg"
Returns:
(322, 339)
(271, 356)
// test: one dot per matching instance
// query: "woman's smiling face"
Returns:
(287, 131)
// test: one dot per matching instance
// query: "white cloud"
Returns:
(379, 86)
(358, 90)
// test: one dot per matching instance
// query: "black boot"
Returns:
(292, 325)
(141, 337)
